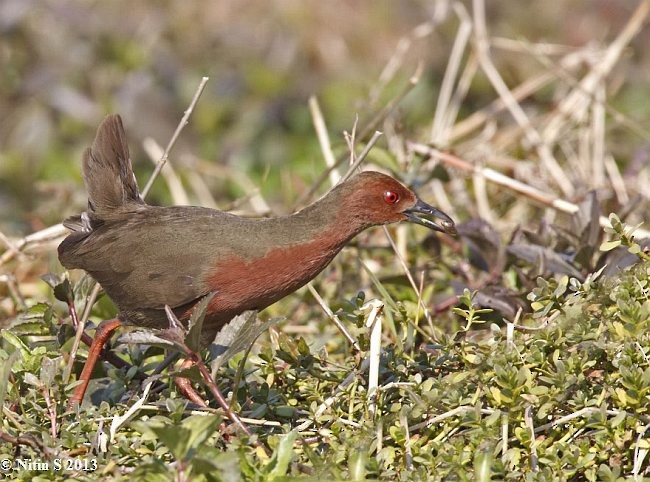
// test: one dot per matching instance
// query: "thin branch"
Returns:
(323, 139)
(532, 135)
(174, 184)
(39, 237)
(370, 127)
(333, 317)
(362, 156)
(28, 440)
(181, 125)
(532, 193)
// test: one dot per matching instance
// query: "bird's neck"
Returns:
(298, 248)
(329, 220)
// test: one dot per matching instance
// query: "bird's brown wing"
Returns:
(154, 256)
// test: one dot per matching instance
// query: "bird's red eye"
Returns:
(391, 197)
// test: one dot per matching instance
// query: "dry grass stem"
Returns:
(350, 139)
(155, 153)
(530, 192)
(616, 180)
(537, 141)
(357, 162)
(201, 190)
(575, 104)
(324, 140)
(441, 117)
(333, 317)
(181, 125)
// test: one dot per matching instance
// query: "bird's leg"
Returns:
(73, 313)
(216, 393)
(193, 358)
(185, 386)
(177, 332)
(104, 331)
(111, 358)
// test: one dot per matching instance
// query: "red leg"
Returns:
(115, 360)
(185, 386)
(102, 334)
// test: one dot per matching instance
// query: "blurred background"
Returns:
(521, 111)
(66, 64)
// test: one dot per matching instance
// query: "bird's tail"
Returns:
(108, 173)
(111, 185)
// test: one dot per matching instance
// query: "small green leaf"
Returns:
(282, 456)
(181, 439)
(609, 245)
(63, 291)
(496, 394)
(357, 464)
(5, 370)
(303, 348)
(536, 305)
(195, 325)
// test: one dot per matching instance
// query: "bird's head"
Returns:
(377, 199)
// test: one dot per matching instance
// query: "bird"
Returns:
(147, 257)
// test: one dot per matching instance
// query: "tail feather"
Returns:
(107, 171)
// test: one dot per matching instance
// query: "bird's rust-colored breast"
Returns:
(244, 284)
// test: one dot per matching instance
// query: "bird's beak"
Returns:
(417, 213)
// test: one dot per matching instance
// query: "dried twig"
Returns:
(368, 129)
(333, 317)
(184, 121)
(357, 162)
(532, 193)
(174, 184)
(34, 239)
(533, 136)
(324, 139)
(28, 440)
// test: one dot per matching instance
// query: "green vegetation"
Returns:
(517, 350)
(563, 391)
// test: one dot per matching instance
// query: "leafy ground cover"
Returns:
(516, 350)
